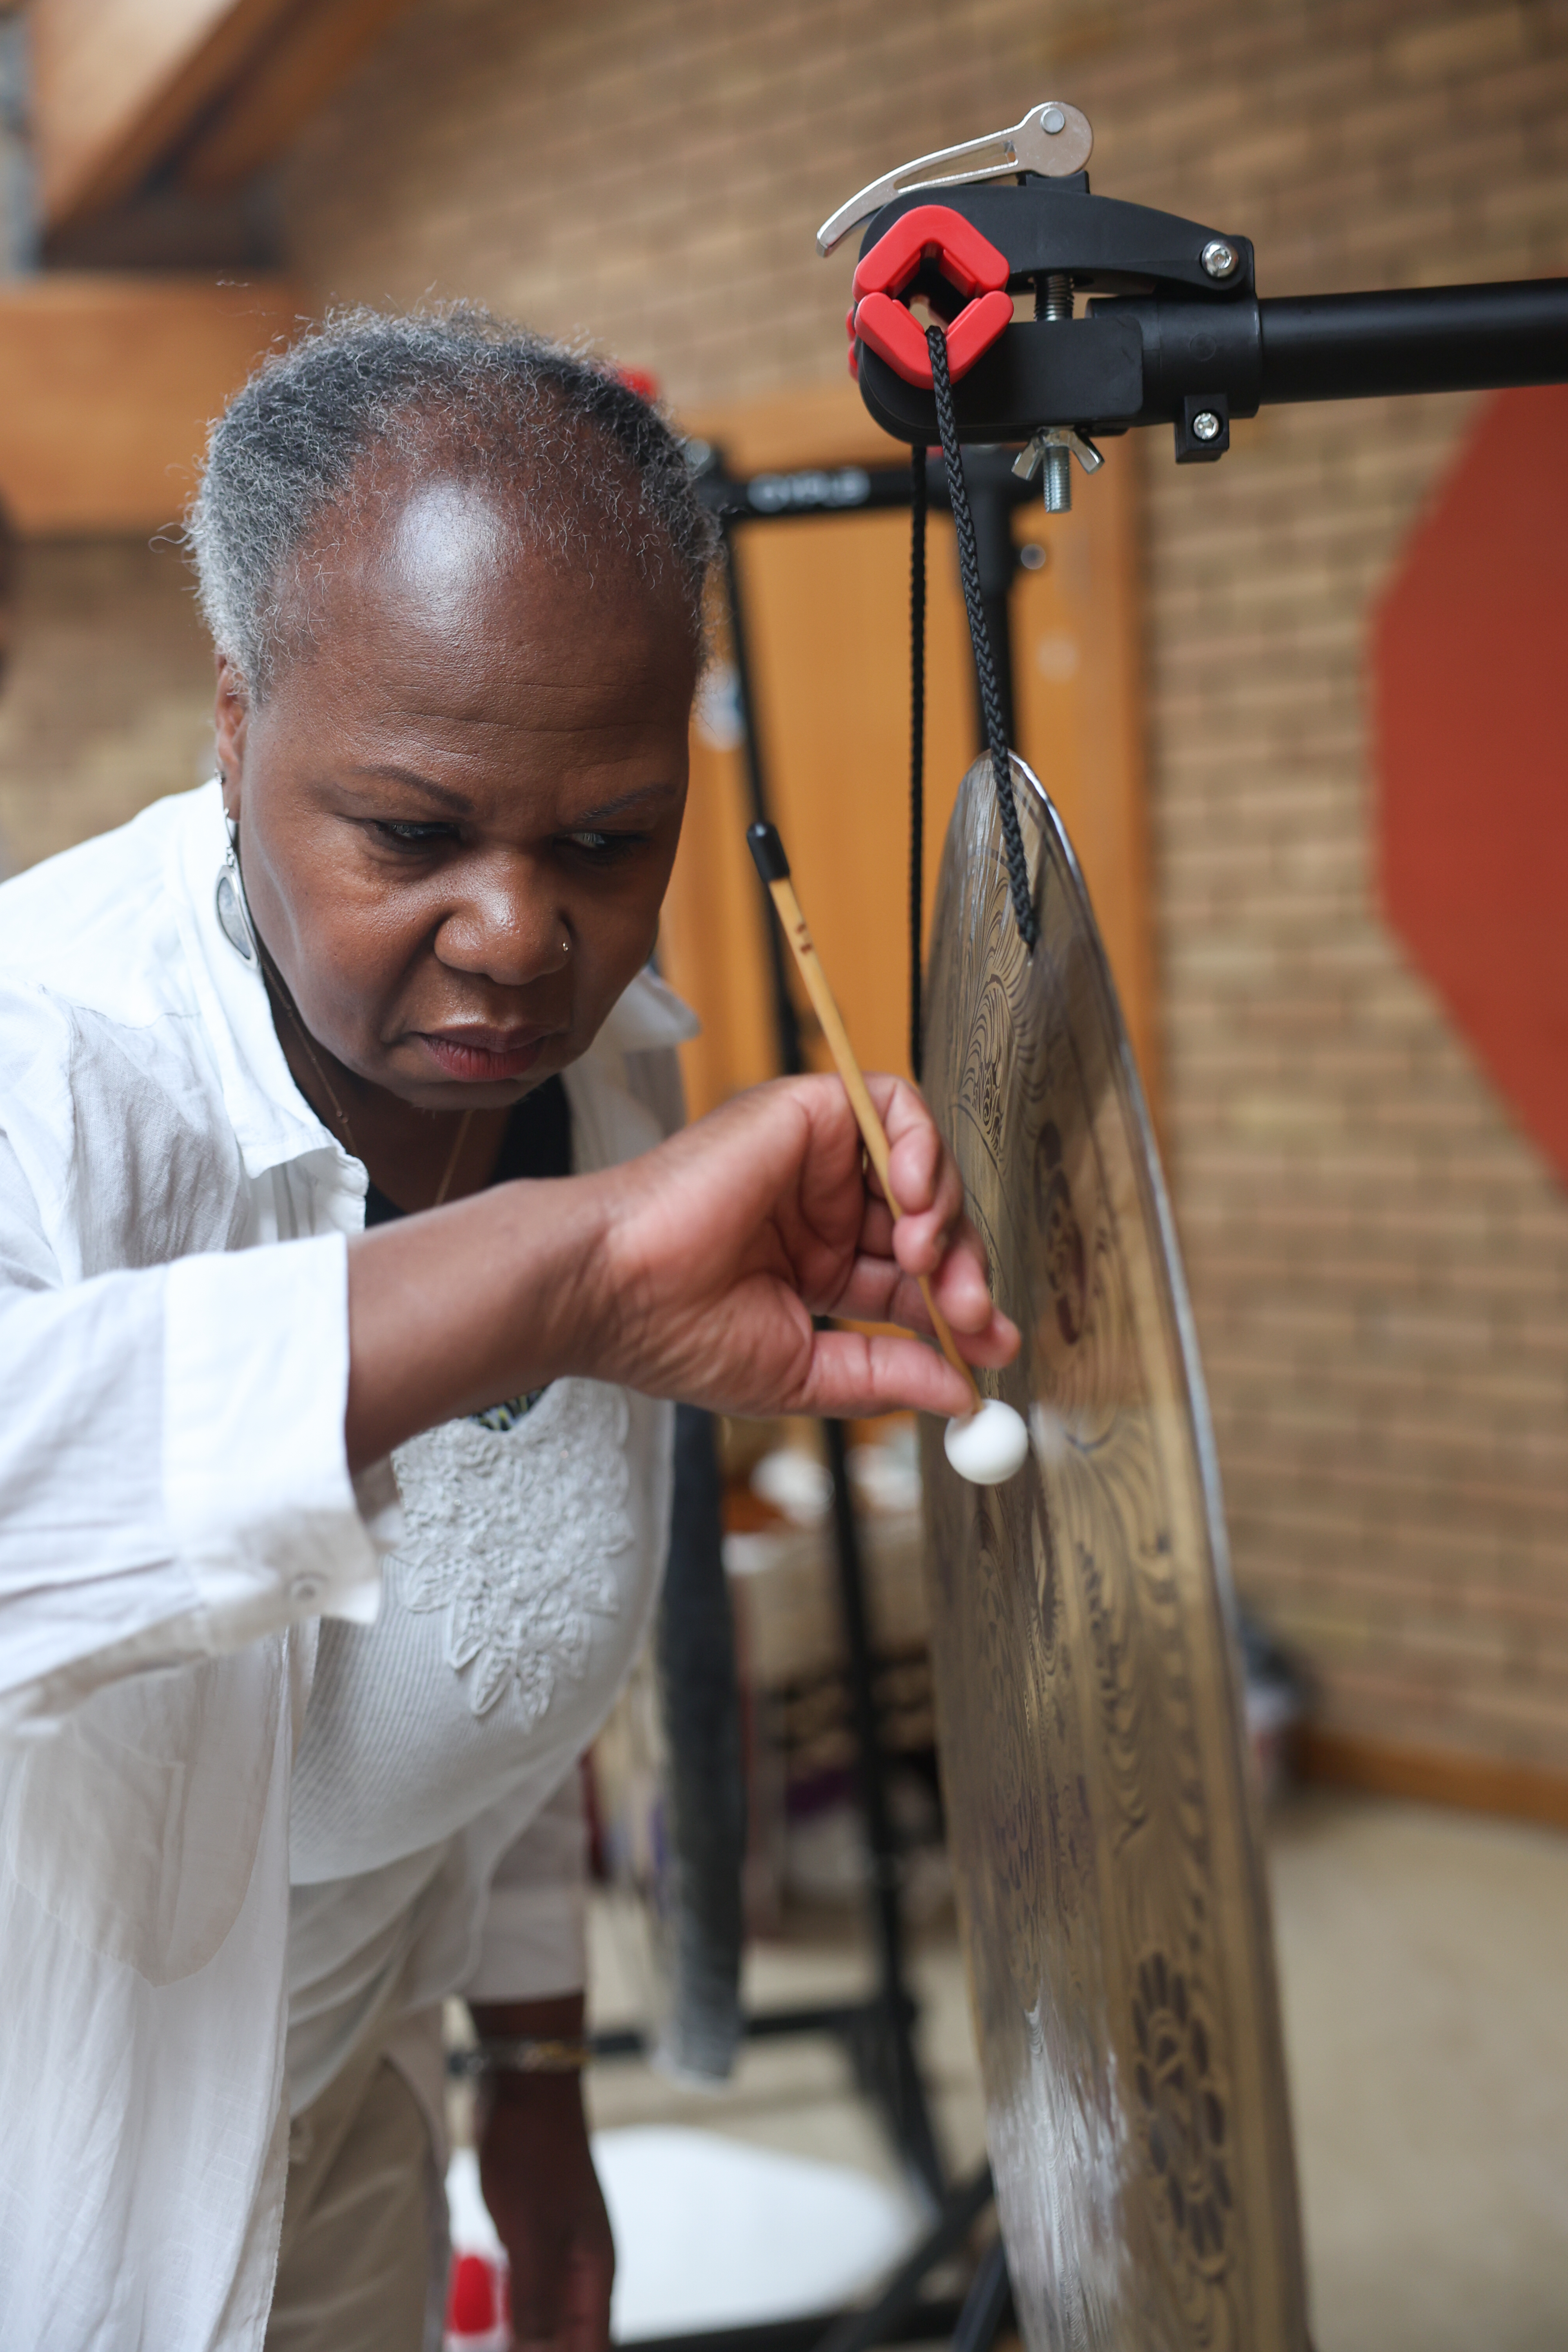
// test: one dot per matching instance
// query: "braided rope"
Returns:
(980, 636)
(917, 742)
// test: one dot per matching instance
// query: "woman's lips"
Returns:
(486, 1053)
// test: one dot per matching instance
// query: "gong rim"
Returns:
(1109, 1869)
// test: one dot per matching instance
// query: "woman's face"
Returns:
(459, 808)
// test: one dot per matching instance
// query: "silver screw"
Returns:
(1218, 257)
(1205, 425)
(1055, 481)
(1053, 119)
(1053, 294)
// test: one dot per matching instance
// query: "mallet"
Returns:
(987, 1443)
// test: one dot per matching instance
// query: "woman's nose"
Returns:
(505, 928)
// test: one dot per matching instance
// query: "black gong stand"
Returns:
(878, 2033)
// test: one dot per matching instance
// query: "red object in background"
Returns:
(478, 2315)
(1471, 681)
(970, 265)
(638, 379)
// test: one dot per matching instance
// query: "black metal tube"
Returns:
(1415, 339)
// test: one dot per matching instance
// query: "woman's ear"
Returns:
(230, 711)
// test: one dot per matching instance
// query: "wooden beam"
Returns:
(1432, 1776)
(316, 49)
(106, 384)
(118, 83)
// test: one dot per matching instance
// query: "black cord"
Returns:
(917, 741)
(980, 636)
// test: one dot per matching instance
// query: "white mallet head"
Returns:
(988, 1446)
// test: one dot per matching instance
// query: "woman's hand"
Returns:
(544, 2195)
(724, 1246)
(693, 1272)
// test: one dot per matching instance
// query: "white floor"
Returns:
(1423, 1961)
(1424, 1971)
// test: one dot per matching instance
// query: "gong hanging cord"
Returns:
(917, 742)
(980, 637)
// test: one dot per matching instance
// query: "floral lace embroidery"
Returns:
(510, 1532)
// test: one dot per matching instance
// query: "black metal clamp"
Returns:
(1174, 330)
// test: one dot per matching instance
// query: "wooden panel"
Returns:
(828, 605)
(1436, 1776)
(106, 387)
(321, 43)
(116, 83)
(819, 425)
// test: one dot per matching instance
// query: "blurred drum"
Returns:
(1110, 1878)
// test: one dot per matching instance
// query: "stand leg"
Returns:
(882, 2046)
(896, 2077)
(986, 2304)
(858, 2331)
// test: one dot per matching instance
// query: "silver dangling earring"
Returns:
(233, 919)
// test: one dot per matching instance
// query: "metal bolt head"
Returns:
(1053, 119)
(1218, 257)
(1206, 425)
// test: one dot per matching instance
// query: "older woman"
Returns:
(331, 1099)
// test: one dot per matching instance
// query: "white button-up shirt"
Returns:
(176, 1515)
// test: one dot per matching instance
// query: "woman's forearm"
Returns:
(466, 1306)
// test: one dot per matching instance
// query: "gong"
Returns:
(1107, 1858)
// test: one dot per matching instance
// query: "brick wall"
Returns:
(107, 700)
(1379, 1262)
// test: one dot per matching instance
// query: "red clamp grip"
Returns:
(970, 264)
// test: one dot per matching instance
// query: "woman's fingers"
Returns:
(926, 1182)
(877, 1292)
(853, 1373)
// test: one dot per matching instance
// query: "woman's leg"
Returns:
(354, 2261)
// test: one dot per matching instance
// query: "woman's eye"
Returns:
(409, 834)
(604, 848)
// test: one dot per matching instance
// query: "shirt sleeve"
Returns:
(533, 1943)
(173, 1477)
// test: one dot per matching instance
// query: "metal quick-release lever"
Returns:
(1053, 139)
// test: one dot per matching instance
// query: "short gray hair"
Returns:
(370, 403)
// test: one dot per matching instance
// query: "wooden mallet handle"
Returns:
(772, 863)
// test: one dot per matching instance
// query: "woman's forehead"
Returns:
(449, 527)
(450, 567)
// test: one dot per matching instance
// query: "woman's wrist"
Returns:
(550, 2025)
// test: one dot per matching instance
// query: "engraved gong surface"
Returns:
(1110, 1881)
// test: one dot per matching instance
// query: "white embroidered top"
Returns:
(441, 1742)
(196, 1668)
